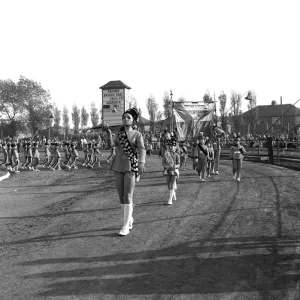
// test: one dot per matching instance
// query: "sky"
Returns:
(74, 47)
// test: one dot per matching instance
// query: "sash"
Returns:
(204, 151)
(126, 147)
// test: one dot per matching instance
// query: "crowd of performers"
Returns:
(52, 157)
(128, 156)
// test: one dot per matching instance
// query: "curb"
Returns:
(5, 176)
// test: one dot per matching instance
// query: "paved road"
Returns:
(221, 239)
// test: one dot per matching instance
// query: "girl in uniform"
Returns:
(47, 155)
(128, 164)
(15, 159)
(29, 156)
(36, 157)
(56, 158)
(210, 158)
(236, 154)
(90, 155)
(202, 159)
(74, 156)
(4, 149)
(67, 154)
(183, 156)
(86, 154)
(25, 148)
(96, 156)
(171, 163)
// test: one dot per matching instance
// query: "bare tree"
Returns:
(132, 101)
(159, 116)
(207, 98)
(66, 119)
(94, 115)
(181, 99)
(152, 107)
(57, 118)
(76, 118)
(253, 114)
(167, 105)
(223, 100)
(236, 104)
(84, 117)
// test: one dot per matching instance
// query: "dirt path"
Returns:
(220, 240)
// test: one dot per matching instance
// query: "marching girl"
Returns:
(236, 154)
(56, 158)
(29, 156)
(194, 154)
(67, 154)
(25, 148)
(86, 155)
(171, 163)
(15, 158)
(210, 158)
(47, 155)
(36, 157)
(202, 159)
(183, 156)
(74, 157)
(4, 149)
(96, 156)
(128, 164)
(9, 157)
(90, 155)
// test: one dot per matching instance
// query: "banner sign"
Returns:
(114, 104)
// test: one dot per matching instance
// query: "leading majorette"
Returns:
(128, 164)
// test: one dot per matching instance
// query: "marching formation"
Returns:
(128, 155)
(52, 156)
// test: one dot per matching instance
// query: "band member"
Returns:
(96, 155)
(67, 154)
(128, 164)
(36, 157)
(15, 158)
(74, 157)
(47, 155)
(171, 163)
(29, 156)
(183, 156)
(218, 133)
(86, 154)
(210, 158)
(202, 159)
(236, 154)
(56, 158)
(4, 149)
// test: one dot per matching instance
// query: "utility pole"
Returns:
(171, 95)
(281, 114)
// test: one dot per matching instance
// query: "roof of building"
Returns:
(117, 84)
(275, 110)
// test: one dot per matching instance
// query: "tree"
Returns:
(94, 115)
(222, 100)
(253, 115)
(66, 120)
(167, 105)
(181, 99)
(159, 116)
(11, 105)
(152, 107)
(84, 117)
(140, 111)
(236, 104)
(36, 103)
(57, 118)
(207, 98)
(76, 118)
(132, 101)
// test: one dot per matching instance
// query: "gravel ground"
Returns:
(221, 239)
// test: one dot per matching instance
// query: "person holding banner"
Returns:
(128, 164)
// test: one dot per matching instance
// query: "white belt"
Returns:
(236, 152)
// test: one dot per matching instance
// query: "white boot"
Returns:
(170, 197)
(127, 219)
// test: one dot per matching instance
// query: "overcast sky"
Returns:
(74, 47)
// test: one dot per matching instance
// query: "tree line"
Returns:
(27, 107)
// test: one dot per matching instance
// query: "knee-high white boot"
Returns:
(127, 218)
(170, 197)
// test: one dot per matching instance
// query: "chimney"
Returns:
(273, 103)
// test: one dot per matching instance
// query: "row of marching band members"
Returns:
(52, 160)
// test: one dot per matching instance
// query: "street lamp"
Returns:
(171, 95)
(50, 121)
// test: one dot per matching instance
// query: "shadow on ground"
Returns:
(181, 269)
